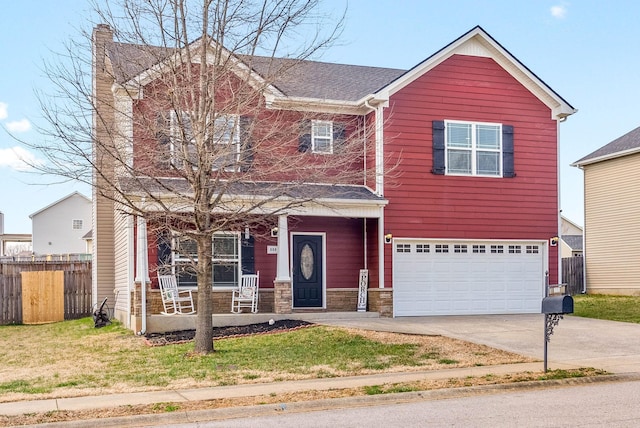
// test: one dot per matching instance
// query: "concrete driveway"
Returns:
(582, 342)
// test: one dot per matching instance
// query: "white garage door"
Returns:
(467, 278)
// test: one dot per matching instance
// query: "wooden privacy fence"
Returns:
(573, 274)
(77, 288)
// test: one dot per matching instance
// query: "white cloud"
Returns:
(559, 11)
(19, 125)
(3, 110)
(18, 158)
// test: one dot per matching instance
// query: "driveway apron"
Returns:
(575, 342)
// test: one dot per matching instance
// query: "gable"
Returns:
(73, 199)
(477, 43)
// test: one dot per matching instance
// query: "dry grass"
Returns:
(301, 396)
(74, 359)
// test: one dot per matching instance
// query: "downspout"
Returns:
(559, 235)
(364, 172)
(379, 177)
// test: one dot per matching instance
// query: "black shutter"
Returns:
(247, 261)
(508, 169)
(246, 145)
(438, 147)
(164, 252)
(163, 125)
(304, 140)
(339, 135)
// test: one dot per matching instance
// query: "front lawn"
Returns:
(73, 358)
(614, 308)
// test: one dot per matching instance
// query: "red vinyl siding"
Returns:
(344, 247)
(424, 205)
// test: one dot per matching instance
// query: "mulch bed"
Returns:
(182, 336)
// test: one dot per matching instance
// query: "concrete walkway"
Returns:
(576, 342)
(251, 390)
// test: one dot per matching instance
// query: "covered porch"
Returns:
(354, 204)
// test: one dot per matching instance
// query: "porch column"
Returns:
(282, 293)
(142, 275)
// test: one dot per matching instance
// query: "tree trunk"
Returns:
(204, 322)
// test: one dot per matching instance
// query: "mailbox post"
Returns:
(554, 308)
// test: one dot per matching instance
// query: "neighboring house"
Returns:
(570, 238)
(464, 227)
(12, 244)
(612, 210)
(59, 227)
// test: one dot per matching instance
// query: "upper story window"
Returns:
(76, 224)
(223, 134)
(473, 149)
(321, 136)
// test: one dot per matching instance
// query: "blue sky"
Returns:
(586, 50)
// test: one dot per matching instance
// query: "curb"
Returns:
(195, 416)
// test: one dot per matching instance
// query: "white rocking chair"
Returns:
(246, 296)
(175, 301)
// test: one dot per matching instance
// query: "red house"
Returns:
(456, 211)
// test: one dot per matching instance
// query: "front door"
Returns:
(307, 271)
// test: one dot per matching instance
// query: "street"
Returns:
(607, 404)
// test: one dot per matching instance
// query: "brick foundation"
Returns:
(381, 301)
(282, 297)
(342, 299)
(277, 300)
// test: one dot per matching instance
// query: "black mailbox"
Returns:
(557, 305)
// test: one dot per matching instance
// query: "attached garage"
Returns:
(467, 278)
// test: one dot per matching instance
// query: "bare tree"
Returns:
(172, 119)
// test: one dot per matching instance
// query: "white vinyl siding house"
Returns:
(59, 227)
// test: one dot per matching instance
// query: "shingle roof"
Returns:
(323, 80)
(129, 60)
(295, 78)
(267, 189)
(573, 241)
(628, 142)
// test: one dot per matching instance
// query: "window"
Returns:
(422, 248)
(478, 249)
(223, 134)
(472, 148)
(76, 224)
(225, 260)
(459, 248)
(403, 248)
(442, 248)
(322, 136)
(515, 249)
(497, 249)
(532, 249)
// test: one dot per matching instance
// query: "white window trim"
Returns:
(176, 258)
(314, 124)
(237, 260)
(473, 149)
(235, 138)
